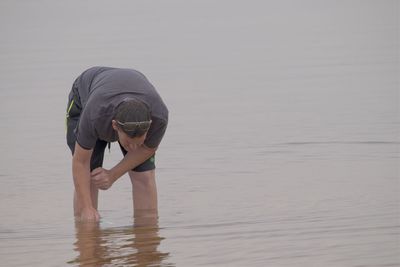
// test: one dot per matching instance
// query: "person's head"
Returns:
(131, 121)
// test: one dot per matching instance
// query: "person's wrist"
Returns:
(85, 203)
(87, 207)
(113, 175)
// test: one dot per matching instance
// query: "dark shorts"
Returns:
(72, 120)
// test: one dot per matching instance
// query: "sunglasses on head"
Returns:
(134, 126)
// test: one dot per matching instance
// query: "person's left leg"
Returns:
(144, 192)
(144, 189)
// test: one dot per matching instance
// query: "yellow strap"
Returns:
(70, 106)
(66, 117)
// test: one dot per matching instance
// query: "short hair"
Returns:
(132, 110)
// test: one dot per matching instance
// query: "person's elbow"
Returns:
(149, 150)
(81, 157)
(80, 162)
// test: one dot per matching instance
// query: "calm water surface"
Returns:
(282, 149)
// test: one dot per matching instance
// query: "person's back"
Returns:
(101, 90)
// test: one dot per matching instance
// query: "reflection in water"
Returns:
(134, 245)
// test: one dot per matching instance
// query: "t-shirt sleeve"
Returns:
(85, 133)
(156, 132)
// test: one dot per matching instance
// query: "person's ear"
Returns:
(114, 125)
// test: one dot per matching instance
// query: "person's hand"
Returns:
(89, 214)
(102, 178)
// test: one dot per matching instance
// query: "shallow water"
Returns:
(282, 149)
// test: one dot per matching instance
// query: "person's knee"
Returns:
(145, 179)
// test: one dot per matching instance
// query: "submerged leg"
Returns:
(144, 191)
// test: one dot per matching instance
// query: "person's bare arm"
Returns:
(131, 160)
(104, 179)
(81, 174)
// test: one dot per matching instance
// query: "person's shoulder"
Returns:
(89, 74)
(97, 69)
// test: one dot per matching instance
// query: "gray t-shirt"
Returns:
(101, 90)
